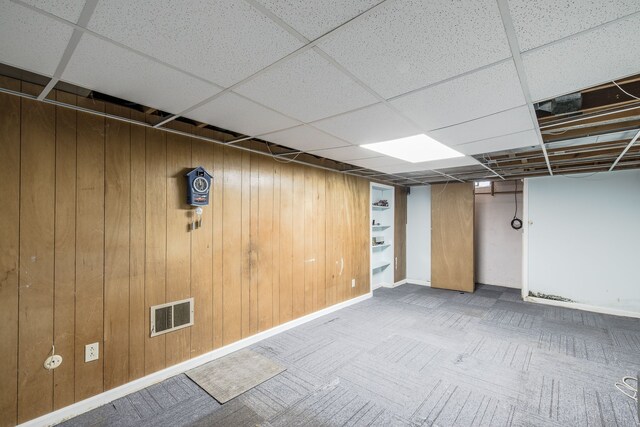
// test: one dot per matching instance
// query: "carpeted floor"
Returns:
(420, 356)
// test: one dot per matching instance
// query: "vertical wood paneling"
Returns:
(217, 207)
(330, 229)
(364, 243)
(246, 243)
(116, 257)
(320, 297)
(309, 241)
(89, 248)
(137, 249)
(286, 243)
(65, 251)
(254, 243)
(156, 243)
(202, 259)
(179, 218)
(101, 233)
(232, 254)
(37, 205)
(9, 250)
(400, 234)
(275, 237)
(339, 237)
(265, 244)
(298, 242)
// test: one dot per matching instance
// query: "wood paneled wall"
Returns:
(94, 230)
(400, 234)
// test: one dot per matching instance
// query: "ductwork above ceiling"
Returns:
(561, 105)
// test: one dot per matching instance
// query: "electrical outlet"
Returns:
(353, 283)
(53, 362)
(91, 352)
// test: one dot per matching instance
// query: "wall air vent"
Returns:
(171, 316)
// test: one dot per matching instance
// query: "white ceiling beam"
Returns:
(83, 20)
(509, 29)
(633, 141)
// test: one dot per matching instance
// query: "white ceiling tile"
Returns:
(65, 9)
(238, 114)
(481, 93)
(371, 124)
(307, 87)
(588, 59)
(503, 123)
(118, 72)
(543, 21)
(29, 40)
(527, 138)
(403, 46)
(304, 138)
(345, 154)
(219, 40)
(315, 18)
(424, 166)
(377, 162)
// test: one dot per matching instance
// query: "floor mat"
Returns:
(232, 375)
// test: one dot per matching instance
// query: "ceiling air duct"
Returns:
(561, 105)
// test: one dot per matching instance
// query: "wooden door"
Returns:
(452, 210)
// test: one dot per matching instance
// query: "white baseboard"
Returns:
(93, 402)
(392, 285)
(419, 282)
(584, 307)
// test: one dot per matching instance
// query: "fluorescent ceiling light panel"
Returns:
(414, 149)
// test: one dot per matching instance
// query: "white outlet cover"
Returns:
(91, 352)
(353, 283)
(53, 362)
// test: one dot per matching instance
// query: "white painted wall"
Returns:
(584, 240)
(498, 247)
(419, 234)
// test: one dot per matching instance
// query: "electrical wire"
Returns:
(281, 161)
(627, 389)
(624, 91)
(516, 223)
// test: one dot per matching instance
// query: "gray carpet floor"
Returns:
(420, 356)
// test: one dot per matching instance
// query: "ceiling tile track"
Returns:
(503, 6)
(80, 28)
(335, 63)
(396, 178)
(83, 21)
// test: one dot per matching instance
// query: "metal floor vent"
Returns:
(171, 316)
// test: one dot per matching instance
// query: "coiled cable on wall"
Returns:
(516, 223)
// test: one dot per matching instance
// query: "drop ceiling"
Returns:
(323, 77)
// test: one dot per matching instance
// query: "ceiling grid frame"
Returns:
(341, 68)
(87, 11)
(503, 7)
(512, 38)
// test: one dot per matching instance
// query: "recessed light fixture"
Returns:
(414, 149)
